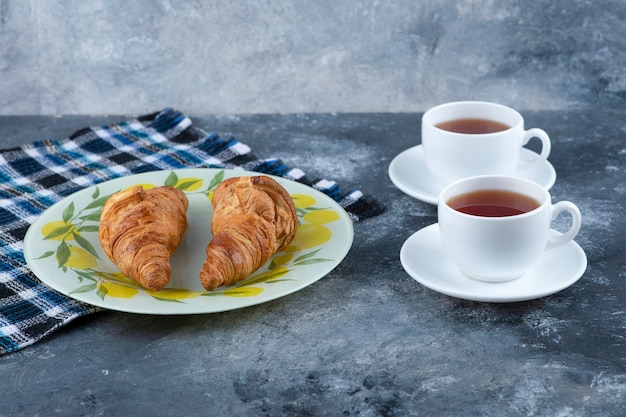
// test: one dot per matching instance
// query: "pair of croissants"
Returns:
(253, 218)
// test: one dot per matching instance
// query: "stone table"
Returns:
(367, 339)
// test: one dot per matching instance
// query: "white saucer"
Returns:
(423, 258)
(409, 173)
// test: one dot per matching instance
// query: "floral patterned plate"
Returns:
(62, 248)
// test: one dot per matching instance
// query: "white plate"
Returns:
(423, 258)
(323, 239)
(409, 173)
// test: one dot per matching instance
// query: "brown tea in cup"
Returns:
(493, 203)
(472, 126)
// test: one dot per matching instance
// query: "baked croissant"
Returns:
(253, 218)
(140, 229)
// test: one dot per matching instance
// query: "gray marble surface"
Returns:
(366, 340)
(225, 57)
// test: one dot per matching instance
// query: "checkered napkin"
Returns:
(35, 176)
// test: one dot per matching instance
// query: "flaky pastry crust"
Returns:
(253, 218)
(140, 230)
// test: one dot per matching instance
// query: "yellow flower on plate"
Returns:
(115, 290)
(243, 292)
(58, 230)
(308, 236)
(188, 184)
(281, 259)
(116, 276)
(321, 216)
(302, 200)
(80, 259)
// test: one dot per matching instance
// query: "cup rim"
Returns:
(428, 114)
(443, 202)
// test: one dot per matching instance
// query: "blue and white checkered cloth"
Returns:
(35, 176)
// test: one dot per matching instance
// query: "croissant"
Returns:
(140, 229)
(253, 218)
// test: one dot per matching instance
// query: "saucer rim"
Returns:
(426, 197)
(532, 294)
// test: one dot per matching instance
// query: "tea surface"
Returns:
(493, 203)
(473, 126)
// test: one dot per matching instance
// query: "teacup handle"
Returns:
(540, 134)
(558, 240)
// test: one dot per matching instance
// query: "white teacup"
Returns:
(452, 155)
(500, 248)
